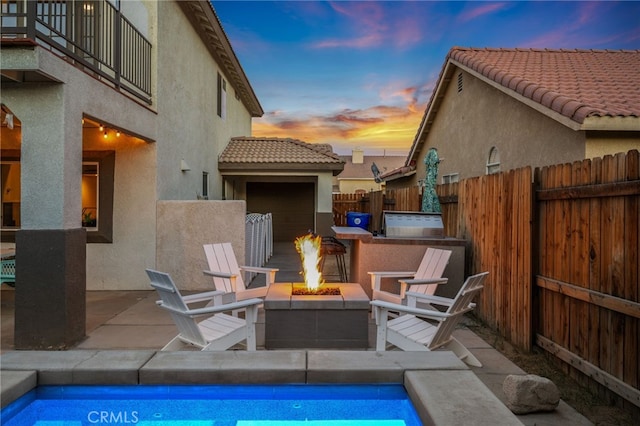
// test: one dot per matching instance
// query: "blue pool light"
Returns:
(241, 405)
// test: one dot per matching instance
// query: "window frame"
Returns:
(106, 161)
(106, 165)
(493, 161)
(222, 97)
(450, 178)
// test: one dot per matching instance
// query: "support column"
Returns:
(50, 300)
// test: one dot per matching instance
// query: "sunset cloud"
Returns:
(360, 73)
(476, 12)
(371, 25)
(378, 126)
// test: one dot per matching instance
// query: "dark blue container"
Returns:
(356, 219)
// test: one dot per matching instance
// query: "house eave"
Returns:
(611, 124)
(283, 167)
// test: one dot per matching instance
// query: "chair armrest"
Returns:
(199, 297)
(219, 274)
(216, 308)
(376, 277)
(394, 274)
(435, 315)
(269, 273)
(437, 300)
(259, 269)
(426, 281)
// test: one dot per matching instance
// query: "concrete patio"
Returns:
(125, 330)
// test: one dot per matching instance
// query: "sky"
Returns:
(359, 74)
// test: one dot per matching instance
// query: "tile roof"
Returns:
(256, 151)
(575, 83)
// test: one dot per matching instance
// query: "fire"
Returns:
(309, 247)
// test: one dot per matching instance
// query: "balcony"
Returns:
(92, 34)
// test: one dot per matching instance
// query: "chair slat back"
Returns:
(433, 265)
(471, 287)
(171, 297)
(221, 258)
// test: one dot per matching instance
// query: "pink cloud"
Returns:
(485, 9)
(369, 40)
(373, 26)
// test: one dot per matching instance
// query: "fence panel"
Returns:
(587, 278)
(495, 217)
(344, 203)
(572, 286)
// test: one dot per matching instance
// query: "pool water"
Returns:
(241, 405)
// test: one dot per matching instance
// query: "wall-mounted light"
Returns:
(105, 134)
(117, 133)
(184, 166)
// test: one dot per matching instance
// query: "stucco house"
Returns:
(360, 174)
(498, 109)
(108, 108)
(288, 178)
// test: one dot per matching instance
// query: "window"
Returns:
(97, 174)
(222, 97)
(493, 162)
(205, 185)
(90, 190)
(450, 178)
(10, 194)
(96, 189)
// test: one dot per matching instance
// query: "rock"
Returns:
(530, 393)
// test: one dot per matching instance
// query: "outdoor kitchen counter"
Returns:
(352, 233)
(370, 253)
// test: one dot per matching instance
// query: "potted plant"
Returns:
(87, 219)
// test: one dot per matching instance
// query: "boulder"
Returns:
(530, 393)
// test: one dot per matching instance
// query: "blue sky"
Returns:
(360, 73)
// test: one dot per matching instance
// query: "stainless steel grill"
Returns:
(399, 224)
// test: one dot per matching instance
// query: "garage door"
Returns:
(291, 204)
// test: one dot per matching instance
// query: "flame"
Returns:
(309, 248)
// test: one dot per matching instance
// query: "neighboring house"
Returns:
(498, 109)
(360, 172)
(136, 100)
(288, 178)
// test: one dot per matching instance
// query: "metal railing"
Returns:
(92, 34)
(258, 241)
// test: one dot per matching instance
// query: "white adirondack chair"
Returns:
(424, 280)
(419, 329)
(227, 275)
(219, 331)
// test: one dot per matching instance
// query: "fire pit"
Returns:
(314, 314)
(316, 321)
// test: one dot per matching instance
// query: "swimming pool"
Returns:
(241, 405)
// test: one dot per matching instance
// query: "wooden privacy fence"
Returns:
(495, 216)
(586, 283)
(562, 245)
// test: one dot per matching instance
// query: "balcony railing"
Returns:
(92, 34)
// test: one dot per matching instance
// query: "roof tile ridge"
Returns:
(313, 147)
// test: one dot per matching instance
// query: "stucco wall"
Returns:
(599, 147)
(190, 127)
(350, 186)
(470, 122)
(183, 227)
(51, 154)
